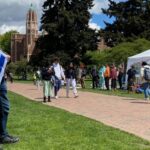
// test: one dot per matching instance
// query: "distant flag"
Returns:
(3, 62)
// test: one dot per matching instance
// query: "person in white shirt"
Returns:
(59, 75)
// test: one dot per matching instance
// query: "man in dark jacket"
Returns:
(4, 111)
(95, 77)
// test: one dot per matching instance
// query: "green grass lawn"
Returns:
(24, 81)
(41, 127)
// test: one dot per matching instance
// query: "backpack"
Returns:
(147, 74)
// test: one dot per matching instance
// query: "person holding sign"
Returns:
(4, 102)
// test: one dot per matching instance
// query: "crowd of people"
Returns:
(143, 84)
(54, 75)
(104, 77)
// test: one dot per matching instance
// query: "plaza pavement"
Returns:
(127, 114)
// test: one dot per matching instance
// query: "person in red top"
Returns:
(113, 76)
(107, 76)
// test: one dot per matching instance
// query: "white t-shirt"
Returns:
(59, 73)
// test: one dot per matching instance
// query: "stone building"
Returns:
(102, 45)
(23, 45)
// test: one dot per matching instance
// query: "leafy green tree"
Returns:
(120, 53)
(65, 23)
(5, 41)
(131, 21)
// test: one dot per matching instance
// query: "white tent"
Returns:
(139, 58)
(136, 60)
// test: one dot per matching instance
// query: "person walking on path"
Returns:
(70, 74)
(107, 76)
(4, 111)
(146, 77)
(47, 74)
(34, 78)
(101, 77)
(83, 75)
(59, 75)
(38, 78)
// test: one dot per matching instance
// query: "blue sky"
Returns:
(10, 19)
(98, 18)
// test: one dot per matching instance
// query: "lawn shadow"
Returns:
(32, 89)
(129, 99)
(140, 102)
(39, 98)
(62, 96)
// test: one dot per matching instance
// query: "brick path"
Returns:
(127, 114)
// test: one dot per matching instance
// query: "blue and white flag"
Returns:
(3, 63)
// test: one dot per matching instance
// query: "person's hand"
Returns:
(8, 58)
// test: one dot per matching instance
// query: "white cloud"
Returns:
(98, 5)
(94, 26)
(5, 28)
(13, 13)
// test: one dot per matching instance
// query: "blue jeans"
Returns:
(146, 88)
(57, 85)
(4, 108)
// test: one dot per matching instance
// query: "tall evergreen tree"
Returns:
(65, 23)
(131, 21)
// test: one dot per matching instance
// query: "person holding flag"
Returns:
(4, 102)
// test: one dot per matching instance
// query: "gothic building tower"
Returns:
(23, 45)
(31, 31)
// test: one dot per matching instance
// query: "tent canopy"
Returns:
(139, 58)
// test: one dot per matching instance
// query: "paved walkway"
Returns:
(127, 114)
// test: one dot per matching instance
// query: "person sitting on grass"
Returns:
(131, 85)
(139, 89)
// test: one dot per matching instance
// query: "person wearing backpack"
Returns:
(146, 76)
(48, 82)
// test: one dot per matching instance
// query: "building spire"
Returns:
(31, 7)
